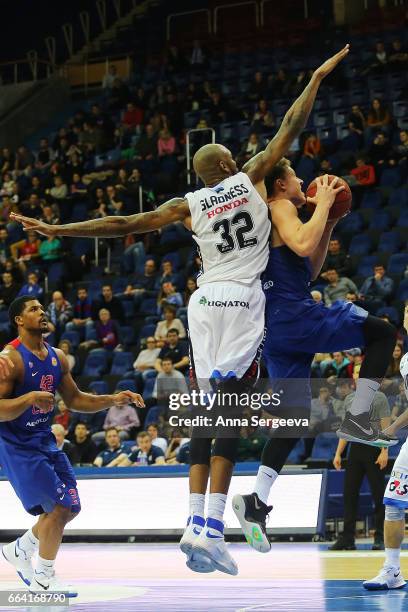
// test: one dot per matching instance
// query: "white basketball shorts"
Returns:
(226, 325)
(396, 492)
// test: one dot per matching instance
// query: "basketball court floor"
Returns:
(154, 578)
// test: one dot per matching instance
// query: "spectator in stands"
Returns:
(62, 444)
(323, 417)
(400, 403)
(107, 331)
(312, 147)
(146, 146)
(8, 291)
(364, 173)
(281, 84)
(337, 367)
(59, 312)
(77, 187)
(50, 214)
(217, 108)
(45, 156)
(168, 381)
(168, 275)
(376, 289)
(250, 147)
(379, 151)
(143, 286)
(146, 359)
(66, 347)
(64, 416)
(338, 287)
(357, 118)
(109, 301)
(60, 189)
(355, 358)
(32, 287)
(111, 456)
(31, 207)
(50, 250)
(144, 454)
(119, 95)
(258, 87)
(123, 418)
(401, 150)
(153, 431)
(378, 115)
(82, 318)
(114, 201)
(11, 266)
(174, 349)
(198, 56)
(110, 77)
(191, 286)
(4, 244)
(398, 57)
(251, 443)
(174, 446)
(317, 296)
(26, 251)
(24, 161)
(336, 259)
(132, 118)
(168, 296)
(85, 448)
(263, 120)
(363, 461)
(7, 185)
(166, 144)
(378, 62)
(391, 381)
(170, 322)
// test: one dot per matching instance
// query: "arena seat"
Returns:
(371, 199)
(72, 336)
(127, 384)
(391, 313)
(99, 386)
(389, 242)
(147, 330)
(122, 362)
(390, 177)
(380, 220)
(397, 263)
(96, 363)
(399, 197)
(402, 292)
(360, 245)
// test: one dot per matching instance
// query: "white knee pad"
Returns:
(394, 513)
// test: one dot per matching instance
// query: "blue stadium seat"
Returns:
(400, 109)
(119, 285)
(129, 308)
(360, 245)
(391, 312)
(365, 267)
(94, 289)
(390, 177)
(306, 169)
(100, 386)
(397, 263)
(338, 100)
(380, 220)
(148, 388)
(358, 96)
(127, 384)
(127, 335)
(402, 293)
(56, 273)
(82, 246)
(352, 223)
(122, 362)
(297, 453)
(322, 119)
(399, 197)
(389, 242)
(174, 258)
(4, 316)
(148, 306)
(227, 132)
(72, 336)
(244, 129)
(340, 116)
(403, 220)
(371, 199)
(325, 446)
(152, 415)
(147, 330)
(96, 363)
(79, 212)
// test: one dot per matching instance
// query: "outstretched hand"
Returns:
(128, 397)
(35, 225)
(330, 64)
(325, 192)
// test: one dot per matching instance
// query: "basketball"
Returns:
(342, 203)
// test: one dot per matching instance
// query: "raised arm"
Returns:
(295, 120)
(78, 401)
(174, 210)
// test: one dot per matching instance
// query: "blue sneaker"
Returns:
(195, 561)
(211, 544)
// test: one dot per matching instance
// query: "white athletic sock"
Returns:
(197, 501)
(365, 391)
(392, 557)
(265, 478)
(28, 542)
(44, 567)
(216, 506)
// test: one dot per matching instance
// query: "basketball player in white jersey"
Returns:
(395, 501)
(229, 221)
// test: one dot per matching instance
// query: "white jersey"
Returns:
(231, 227)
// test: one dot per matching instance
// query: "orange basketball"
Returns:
(341, 204)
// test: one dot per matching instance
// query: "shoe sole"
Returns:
(218, 566)
(19, 574)
(252, 532)
(376, 586)
(378, 444)
(69, 594)
(195, 562)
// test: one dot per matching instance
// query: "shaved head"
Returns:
(213, 163)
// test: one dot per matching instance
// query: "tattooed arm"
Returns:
(172, 211)
(259, 166)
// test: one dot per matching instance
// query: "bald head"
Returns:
(213, 163)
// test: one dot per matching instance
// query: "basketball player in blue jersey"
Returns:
(229, 220)
(39, 473)
(298, 327)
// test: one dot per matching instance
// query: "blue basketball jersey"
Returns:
(287, 276)
(33, 427)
